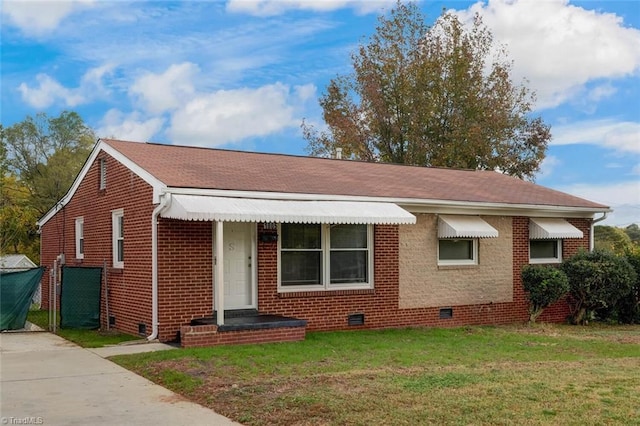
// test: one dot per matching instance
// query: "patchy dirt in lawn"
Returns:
(628, 334)
(565, 381)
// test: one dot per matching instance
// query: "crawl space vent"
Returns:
(356, 319)
(446, 313)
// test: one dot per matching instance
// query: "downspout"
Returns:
(593, 222)
(165, 202)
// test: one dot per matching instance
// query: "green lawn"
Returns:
(84, 338)
(475, 375)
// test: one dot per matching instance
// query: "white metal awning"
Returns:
(450, 226)
(552, 229)
(203, 207)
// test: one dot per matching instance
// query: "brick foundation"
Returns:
(208, 335)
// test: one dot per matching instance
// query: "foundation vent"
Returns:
(446, 313)
(356, 319)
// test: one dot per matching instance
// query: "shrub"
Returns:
(628, 308)
(597, 280)
(545, 285)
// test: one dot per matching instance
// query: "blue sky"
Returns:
(242, 74)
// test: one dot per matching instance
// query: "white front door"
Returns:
(238, 277)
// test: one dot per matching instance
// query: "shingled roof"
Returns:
(205, 168)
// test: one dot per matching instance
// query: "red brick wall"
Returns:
(329, 310)
(185, 274)
(207, 335)
(129, 288)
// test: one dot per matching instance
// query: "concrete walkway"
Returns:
(45, 379)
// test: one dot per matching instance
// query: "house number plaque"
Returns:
(270, 226)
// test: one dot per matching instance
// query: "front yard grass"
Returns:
(84, 338)
(545, 374)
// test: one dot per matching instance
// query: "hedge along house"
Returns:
(214, 246)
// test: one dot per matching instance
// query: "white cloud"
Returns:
(39, 17)
(118, 125)
(636, 170)
(623, 197)
(613, 166)
(600, 92)
(49, 91)
(162, 92)
(622, 136)
(277, 7)
(228, 116)
(305, 92)
(548, 166)
(560, 47)
(623, 215)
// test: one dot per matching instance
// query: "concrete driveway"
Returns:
(47, 380)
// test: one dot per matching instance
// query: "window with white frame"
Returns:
(319, 257)
(79, 238)
(117, 220)
(545, 251)
(103, 174)
(458, 251)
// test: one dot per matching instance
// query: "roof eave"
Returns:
(412, 204)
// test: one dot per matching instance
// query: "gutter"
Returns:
(593, 222)
(411, 204)
(165, 202)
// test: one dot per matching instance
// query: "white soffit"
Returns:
(202, 207)
(454, 226)
(552, 229)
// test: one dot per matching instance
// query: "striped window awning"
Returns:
(212, 208)
(552, 229)
(457, 226)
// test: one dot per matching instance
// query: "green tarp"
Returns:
(80, 297)
(16, 291)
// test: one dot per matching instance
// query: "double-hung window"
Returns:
(322, 257)
(458, 251)
(117, 221)
(301, 255)
(545, 251)
(79, 238)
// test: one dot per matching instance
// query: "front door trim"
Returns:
(253, 272)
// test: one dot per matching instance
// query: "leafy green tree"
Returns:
(46, 153)
(611, 238)
(18, 219)
(633, 231)
(597, 280)
(627, 310)
(545, 285)
(431, 96)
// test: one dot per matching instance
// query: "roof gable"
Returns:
(10, 261)
(101, 146)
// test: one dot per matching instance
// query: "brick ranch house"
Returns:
(211, 246)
